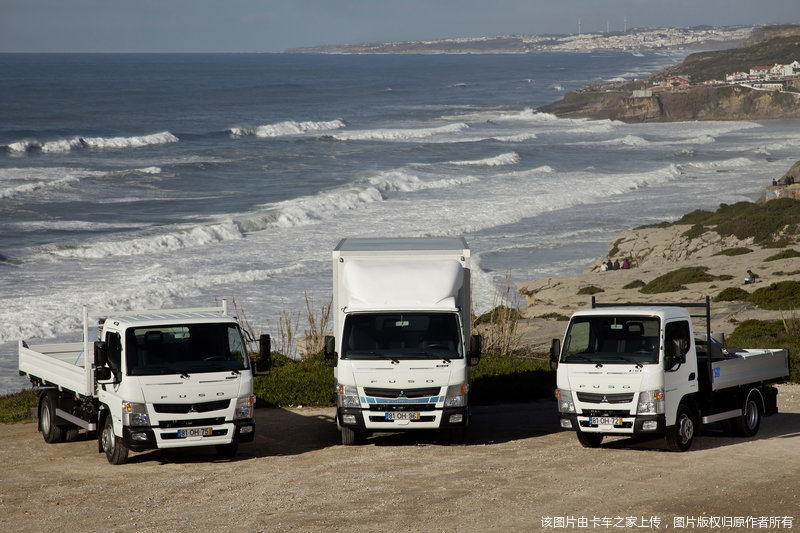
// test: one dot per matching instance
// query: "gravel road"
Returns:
(516, 472)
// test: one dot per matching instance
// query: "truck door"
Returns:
(680, 378)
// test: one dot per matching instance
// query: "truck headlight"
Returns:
(651, 402)
(565, 403)
(456, 395)
(347, 396)
(135, 414)
(244, 407)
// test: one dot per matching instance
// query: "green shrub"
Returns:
(16, 407)
(674, 281)
(778, 296)
(769, 334)
(782, 273)
(500, 313)
(734, 251)
(553, 316)
(294, 382)
(732, 294)
(786, 254)
(694, 232)
(635, 284)
(590, 289)
(511, 378)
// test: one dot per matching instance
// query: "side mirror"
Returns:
(675, 353)
(475, 346)
(102, 373)
(264, 361)
(555, 350)
(100, 353)
(330, 350)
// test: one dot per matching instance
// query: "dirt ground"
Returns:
(516, 472)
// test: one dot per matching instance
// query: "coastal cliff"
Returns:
(702, 103)
(698, 95)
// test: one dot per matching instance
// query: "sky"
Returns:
(275, 25)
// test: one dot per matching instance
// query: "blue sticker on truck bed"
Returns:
(716, 371)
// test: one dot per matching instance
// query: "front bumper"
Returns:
(374, 420)
(623, 425)
(148, 438)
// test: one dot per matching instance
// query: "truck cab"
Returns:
(148, 379)
(402, 350)
(640, 369)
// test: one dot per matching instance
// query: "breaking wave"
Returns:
(286, 128)
(408, 134)
(76, 143)
(510, 158)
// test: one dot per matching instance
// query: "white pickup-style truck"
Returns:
(638, 369)
(402, 348)
(148, 379)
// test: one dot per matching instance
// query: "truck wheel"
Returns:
(116, 451)
(589, 440)
(352, 436)
(680, 436)
(748, 423)
(227, 451)
(47, 420)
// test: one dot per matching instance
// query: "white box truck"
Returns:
(148, 379)
(638, 369)
(402, 348)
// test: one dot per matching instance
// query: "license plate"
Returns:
(402, 415)
(195, 432)
(605, 421)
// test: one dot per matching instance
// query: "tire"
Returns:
(589, 440)
(113, 446)
(749, 422)
(227, 451)
(351, 437)
(680, 436)
(51, 432)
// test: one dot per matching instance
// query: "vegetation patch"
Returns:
(778, 296)
(775, 334)
(16, 407)
(554, 316)
(635, 284)
(589, 290)
(741, 250)
(501, 313)
(732, 294)
(675, 280)
(296, 382)
(694, 232)
(510, 378)
(786, 254)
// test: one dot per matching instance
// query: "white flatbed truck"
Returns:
(151, 379)
(402, 348)
(638, 369)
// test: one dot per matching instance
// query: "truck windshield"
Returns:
(401, 336)
(185, 349)
(612, 339)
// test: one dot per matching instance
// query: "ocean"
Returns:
(168, 180)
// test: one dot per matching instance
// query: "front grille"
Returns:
(402, 407)
(164, 424)
(186, 408)
(591, 397)
(606, 412)
(401, 393)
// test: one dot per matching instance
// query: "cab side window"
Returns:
(679, 330)
(114, 343)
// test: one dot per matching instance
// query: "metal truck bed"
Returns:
(60, 365)
(742, 367)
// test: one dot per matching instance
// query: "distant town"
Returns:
(633, 40)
